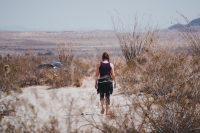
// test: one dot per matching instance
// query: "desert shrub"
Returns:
(135, 41)
(168, 88)
(130, 75)
(18, 71)
(62, 76)
(80, 68)
(118, 63)
(65, 55)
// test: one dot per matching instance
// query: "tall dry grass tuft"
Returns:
(65, 55)
(81, 70)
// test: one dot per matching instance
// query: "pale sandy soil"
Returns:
(69, 105)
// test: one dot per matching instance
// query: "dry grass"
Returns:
(21, 70)
(193, 41)
(168, 85)
(81, 70)
(18, 71)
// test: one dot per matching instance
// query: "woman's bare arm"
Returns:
(96, 75)
(113, 74)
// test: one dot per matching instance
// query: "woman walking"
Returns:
(105, 75)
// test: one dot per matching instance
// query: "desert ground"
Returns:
(81, 43)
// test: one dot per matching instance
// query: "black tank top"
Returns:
(105, 69)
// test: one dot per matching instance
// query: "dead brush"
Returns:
(80, 70)
(118, 63)
(19, 71)
(130, 75)
(65, 55)
(134, 42)
(169, 84)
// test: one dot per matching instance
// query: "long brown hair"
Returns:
(105, 56)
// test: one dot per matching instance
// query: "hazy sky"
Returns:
(63, 15)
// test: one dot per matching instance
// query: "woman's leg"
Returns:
(107, 102)
(102, 102)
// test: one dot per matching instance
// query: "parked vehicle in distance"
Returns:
(53, 64)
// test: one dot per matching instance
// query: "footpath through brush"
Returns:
(73, 107)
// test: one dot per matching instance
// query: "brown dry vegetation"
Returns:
(21, 70)
(167, 91)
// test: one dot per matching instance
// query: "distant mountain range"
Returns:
(193, 25)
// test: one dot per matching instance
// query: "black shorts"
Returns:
(105, 89)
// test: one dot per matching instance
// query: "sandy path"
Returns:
(69, 105)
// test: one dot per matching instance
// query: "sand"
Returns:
(71, 106)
